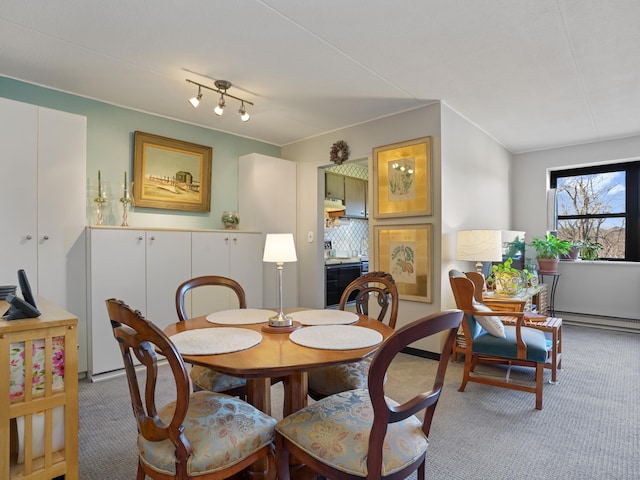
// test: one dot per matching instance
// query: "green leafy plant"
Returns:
(508, 280)
(550, 246)
(590, 250)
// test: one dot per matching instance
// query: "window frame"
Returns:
(632, 203)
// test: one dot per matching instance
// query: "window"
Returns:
(600, 204)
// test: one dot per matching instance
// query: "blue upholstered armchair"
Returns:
(488, 340)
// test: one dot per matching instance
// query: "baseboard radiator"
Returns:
(631, 325)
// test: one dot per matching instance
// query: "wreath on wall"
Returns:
(339, 152)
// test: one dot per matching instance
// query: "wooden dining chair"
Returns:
(488, 340)
(204, 378)
(326, 381)
(203, 435)
(361, 433)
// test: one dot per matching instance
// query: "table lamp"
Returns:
(479, 246)
(279, 248)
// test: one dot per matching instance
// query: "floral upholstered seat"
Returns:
(336, 431)
(221, 431)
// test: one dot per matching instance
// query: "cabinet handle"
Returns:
(140, 237)
(235, 240)
(226, 239)
(46, 237)
(153, 238)
(28, 237)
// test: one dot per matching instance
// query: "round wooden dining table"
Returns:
(276, 356)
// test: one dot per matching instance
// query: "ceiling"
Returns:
(533, 74)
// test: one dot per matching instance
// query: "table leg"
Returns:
(259, 395)
(295, 393)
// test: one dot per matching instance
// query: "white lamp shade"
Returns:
(279, 248)
(479, 245)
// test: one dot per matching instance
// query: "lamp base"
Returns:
(273, 329)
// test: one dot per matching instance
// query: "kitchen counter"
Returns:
(345, 260)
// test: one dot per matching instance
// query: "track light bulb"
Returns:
(244, 116)
(219, 110)
(195, 101)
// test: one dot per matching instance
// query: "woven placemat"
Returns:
(240, 316)
(336, 337)
(209, 341)
(324, 317)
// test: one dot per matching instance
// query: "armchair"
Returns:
(487, 340)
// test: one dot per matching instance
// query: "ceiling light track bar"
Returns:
(222, 90)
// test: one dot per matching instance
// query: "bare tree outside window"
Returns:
(591, 208)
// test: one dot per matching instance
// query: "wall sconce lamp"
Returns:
(221, 87)
(479, 246)
(280, 248)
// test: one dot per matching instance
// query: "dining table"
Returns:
(283, 354)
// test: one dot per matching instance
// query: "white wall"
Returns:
(471, 166)
(596, 288)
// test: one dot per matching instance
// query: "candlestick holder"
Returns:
(126, 202)
(100, 200)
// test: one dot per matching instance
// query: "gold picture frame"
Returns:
(171, 174)
(406, 252)
(402, 179)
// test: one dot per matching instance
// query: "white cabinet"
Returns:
(230, 254)
(267, 201)
(43, 204)
(141, 268)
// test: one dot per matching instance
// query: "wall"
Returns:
(110, 150)
(591, 288)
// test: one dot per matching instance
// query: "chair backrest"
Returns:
(139, 338)
(385, 414)
(383, 286)
(463, 290)
(211, 280)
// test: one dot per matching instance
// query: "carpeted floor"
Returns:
(589, 427)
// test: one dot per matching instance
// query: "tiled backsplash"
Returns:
(352, 234)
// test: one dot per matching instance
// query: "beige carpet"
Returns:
(589, 427)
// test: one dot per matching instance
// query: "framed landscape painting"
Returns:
(405, 251)
(171, 174)
(402, 179)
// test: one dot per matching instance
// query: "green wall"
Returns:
(110, 150)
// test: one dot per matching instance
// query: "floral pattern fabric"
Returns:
(206, 379)
(38, 380)
(221, 430)
(336, 431)
(340, 378)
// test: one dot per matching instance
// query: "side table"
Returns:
(552, 293)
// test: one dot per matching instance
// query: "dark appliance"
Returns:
(337, 277)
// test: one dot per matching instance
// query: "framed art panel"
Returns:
(402, 179)
(171, 174)
(405, 251)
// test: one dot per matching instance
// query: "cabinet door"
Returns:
(210, 256)
(334, 186)
(168, 257)
(246, 265)
(117, 262)
(355, 193)
(18, 238)
(61, 208)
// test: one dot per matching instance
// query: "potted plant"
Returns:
(548, 251)
(505, 279)
(590, 250)
(574, 250)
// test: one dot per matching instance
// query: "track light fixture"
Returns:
(195, 101)
(221, 87)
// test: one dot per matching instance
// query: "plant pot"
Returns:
(508, 283)
(572, 255)
(547, 265)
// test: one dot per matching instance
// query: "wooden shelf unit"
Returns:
(54, 327)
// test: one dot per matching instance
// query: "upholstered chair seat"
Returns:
(221, 430)
(204, 378)
(336, 431)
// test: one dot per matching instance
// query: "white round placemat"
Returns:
(209, 341)
(336, 337)
(324, 317)
(240, 316)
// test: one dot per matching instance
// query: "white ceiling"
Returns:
(532, 73)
